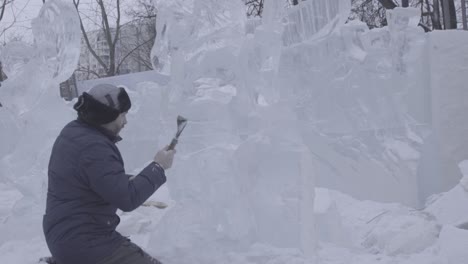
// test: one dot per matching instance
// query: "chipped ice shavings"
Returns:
(401, 232)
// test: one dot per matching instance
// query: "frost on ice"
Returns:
(32, 109)
(276, 107)
(247, 176)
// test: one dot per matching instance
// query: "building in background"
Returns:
(133, 50)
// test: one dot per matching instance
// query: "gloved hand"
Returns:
(165, 157)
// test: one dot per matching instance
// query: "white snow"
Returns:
(309, 140)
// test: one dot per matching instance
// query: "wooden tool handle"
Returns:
(173, 144)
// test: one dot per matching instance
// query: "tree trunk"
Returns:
(436, 23)
(388, 4)
(450, 16)
(2, 11)
(463, 9)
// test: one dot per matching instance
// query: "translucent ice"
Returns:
(248, 177)
(52, 58)
(32, 106)
(356, 124)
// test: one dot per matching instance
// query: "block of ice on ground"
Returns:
(388, 229)
(448, 207)
(453, 242)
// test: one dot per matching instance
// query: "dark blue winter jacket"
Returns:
(87, 184)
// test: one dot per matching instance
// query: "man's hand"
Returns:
(165, 157)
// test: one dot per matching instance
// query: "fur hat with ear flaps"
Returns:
(102, 104)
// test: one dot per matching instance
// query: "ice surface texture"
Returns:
(247, 176)
(33, 112)
(275, 107)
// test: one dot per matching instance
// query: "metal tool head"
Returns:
(181, 123)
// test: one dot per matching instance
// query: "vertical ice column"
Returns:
(31, 95)
(314, 19)
(403, 25)
(410, 59)
(274, 160)
(278, 173)
(209, 219)
(448, 144)
(188, 28)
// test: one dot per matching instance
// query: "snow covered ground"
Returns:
(349, 231)
(309, 140)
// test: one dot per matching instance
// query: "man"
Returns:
(87, 184)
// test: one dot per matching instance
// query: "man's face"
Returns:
(116, 126)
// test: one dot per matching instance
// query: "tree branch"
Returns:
(117, 29)
(85, 36)
(3, 9)
(12, 23)
(131, 51)
(87, 70)
(105, 23)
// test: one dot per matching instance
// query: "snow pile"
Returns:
(387, 229)
(449, 210)
(453, 242)
(448, 207)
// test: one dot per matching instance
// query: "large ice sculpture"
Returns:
(36, 113)
(209, 217)
(447, 145)
(247, 176)
(314, 20)
(55, 34)
(362, 134)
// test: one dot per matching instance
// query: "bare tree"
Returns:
(450, 16)
(3, 6)
(388, 4)
(142, 10)
(463, 14)
(432, 11)
(110, 35)
(437, 14)
(14, 12)
(137, 46)
(254, 7)
(117, 48)
(371, 12)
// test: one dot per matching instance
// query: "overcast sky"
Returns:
(26, 10)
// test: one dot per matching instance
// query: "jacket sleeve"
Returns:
(104, 171)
